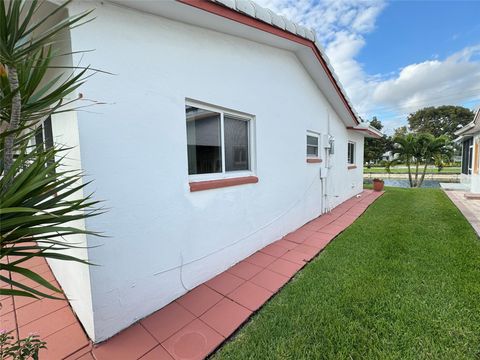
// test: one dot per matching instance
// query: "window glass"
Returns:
(204, 141)
(48, 134)
(467, 156)
(470, 159)
(236, 144)
(44, 137)
(39, 136)
(351, 153)
(312, 145)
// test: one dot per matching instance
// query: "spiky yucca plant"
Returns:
(35, 192)
(35, 212)
(39, 199)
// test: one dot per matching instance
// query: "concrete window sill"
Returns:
(314, 160)
(351, 167)
(216, 184)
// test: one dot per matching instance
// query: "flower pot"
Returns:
(378, 185)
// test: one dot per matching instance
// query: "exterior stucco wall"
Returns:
(475, 178)
(164, 239)
(74, 277)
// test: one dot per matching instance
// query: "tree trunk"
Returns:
(416, 172)
(423, 175)
(409, 173)
(14, 119)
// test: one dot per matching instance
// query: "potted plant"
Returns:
(378, 184)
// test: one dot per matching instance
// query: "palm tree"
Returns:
(418, 151)
(404, 146)
(433, 147)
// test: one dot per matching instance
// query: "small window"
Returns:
(351, 153)
(44, 134)
(312, 145)
(218, 141)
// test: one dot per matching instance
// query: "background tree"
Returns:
(375, 148)
(401, 131)
(443, 159)
(377, 124)
(442, 120)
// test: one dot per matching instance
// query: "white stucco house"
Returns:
(225, 128)
(469, 137)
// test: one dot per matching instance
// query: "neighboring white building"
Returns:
(225, 129)
(390, 156)
(469, 137)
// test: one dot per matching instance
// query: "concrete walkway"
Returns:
(470, 208)
(197, 323)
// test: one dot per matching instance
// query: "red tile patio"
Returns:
(194, 325)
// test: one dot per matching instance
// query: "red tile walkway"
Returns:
(195, 324)
(53, 320)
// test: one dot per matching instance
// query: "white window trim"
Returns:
(470, 164)
(251, 143)
(354, 153)
(317, 135)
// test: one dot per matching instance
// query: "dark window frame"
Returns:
(44, 134)
(351, 149)
(44, 137)
(467, 158)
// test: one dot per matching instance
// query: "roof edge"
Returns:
(470, 125)
(369, 130)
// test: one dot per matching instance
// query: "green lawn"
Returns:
(403, 282)
(403, 170)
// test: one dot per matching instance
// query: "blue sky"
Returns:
(410, 31)
(394, 58)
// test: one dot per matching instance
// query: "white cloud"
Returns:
(342, 25)
(432, 81)
(455, 80)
